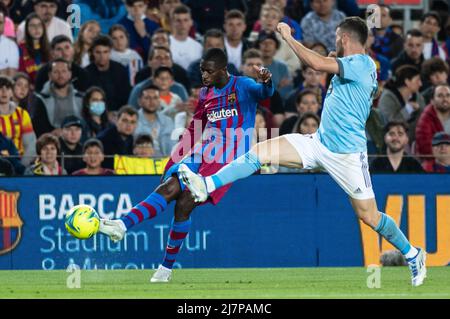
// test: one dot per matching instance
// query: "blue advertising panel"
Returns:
(284, 220)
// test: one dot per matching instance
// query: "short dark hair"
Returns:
(433, 90)
(163, 69)
(143, 139)
(93, 142)
(414, 33)
(392, 124)
(357, 27)
(234, 14)
(216, 55)
(181, 9)
(59, 60)
(148, 87)
(132, 2)
(433, 65)
(158, 47)
(6, 81)
(308, 115)
(45, 139)
(59, 39)
(103, 40)
(305, 92)
(251, 53)
(120, 27)
(127, 109)
(21, 75)
(403, 73)
(213, 33)
(432, 14)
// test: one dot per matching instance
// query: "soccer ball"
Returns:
(82, 221)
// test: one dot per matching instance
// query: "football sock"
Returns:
(241, 167)
(390, 231)
(177, 234)
(149, 208)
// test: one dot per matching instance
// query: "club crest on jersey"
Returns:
(231, 98)
(10, 222)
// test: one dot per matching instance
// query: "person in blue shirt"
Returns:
(339, 146)
(9, 152)
(140, 28)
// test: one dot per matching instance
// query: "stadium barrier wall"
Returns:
(284, 220)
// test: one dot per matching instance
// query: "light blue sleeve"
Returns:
(354, 67)
(258, 91)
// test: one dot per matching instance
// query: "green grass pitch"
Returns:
(260, 283)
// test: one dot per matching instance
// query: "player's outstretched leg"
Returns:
(149, 208)
(181, 224)
(242, 167)
(384, 225)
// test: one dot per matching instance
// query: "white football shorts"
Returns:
(350, 171)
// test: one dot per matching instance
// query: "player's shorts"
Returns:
(350, 171)
(204, 169)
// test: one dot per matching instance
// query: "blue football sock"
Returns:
(177, 234)
(390, 231)
(149, 208)
(241, 167)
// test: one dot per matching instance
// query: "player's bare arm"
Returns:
(307, 56)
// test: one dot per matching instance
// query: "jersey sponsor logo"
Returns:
(10, 221)
(215, 116)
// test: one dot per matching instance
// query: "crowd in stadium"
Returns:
(89, 92)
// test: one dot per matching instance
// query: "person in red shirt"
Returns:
(93, 156)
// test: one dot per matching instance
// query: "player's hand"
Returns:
(285, 30)
(262, 74)
(332, 54)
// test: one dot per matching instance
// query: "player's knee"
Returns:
(170, 189)
(369, 217)
(261, 151)
(184, 207)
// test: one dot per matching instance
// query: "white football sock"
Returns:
(411, 253)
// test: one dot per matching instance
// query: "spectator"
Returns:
(273, 106)
(153, 122)
(34, 51)
(160, 38)
(235, 43)
(16, 123)
(382, 62)
(434, 72)
(184, 118)
(8, 151)
(306, 101)
(435, 118)
(9, 28)
(118, 138)
(312, 80)
(260, 130)
(6, 168)
(395, 159)
(161, 56)
(440, 146)
(165, 10)
(268, 44)
(104, 73)
(61, 47)
(295, 26)
(185, 50)
(46, 10)
(89, 31)
(320, 24)
(140, 28)
(270, 17)
(430, 26)
(170, 102)
(349, 7)
(213, 38)
(22, 90)
(412, 53)
(57, 99)
(121, 52)
(93, 157)
(93, 112)
(308, 123)
(401, 100)
(48, 149)
(386, 41)
(9, 52)
(71, 148)
(143, 146)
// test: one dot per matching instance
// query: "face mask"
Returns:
(97, 108)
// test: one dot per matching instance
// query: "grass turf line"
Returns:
(260, 283)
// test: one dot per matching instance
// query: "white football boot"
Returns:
(418, 268)
(162, 274)
(195, 183)
(114, 228)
